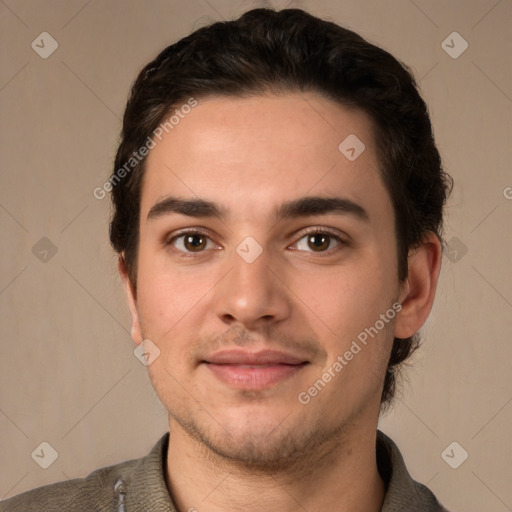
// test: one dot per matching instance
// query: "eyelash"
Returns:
(324, 231)
(190, 231)
(312, 231)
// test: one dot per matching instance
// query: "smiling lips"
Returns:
(253, 370)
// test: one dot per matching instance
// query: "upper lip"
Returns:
(244, 357)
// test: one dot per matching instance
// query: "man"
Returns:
(278, 202)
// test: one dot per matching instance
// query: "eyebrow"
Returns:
(306, 206)
(302, 207)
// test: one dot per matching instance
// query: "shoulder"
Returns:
(403, 493)
(97, 492)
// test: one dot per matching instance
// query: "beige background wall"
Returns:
(68, 375)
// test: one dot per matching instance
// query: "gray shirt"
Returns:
(139, 486)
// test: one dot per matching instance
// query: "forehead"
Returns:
(265, 150)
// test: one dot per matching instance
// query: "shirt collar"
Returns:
(145, 487)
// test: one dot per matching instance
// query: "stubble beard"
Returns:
(276, 450)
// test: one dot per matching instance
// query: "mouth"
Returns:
(253, 370)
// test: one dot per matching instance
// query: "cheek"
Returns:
(168, 298)
(346, 300)
(172, 306)
(349, 304)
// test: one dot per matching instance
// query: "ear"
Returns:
(131, 297)
(418, 290)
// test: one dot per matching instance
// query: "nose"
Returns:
(252, 294)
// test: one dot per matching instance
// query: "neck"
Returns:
(345, 478)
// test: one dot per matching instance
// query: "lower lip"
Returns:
(243, 377)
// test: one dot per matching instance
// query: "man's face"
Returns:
(244, 335)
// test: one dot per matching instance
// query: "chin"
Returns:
(252, 440)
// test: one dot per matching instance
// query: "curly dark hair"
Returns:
(292, 51)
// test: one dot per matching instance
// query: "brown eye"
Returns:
(319, 242)
(194, 242)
